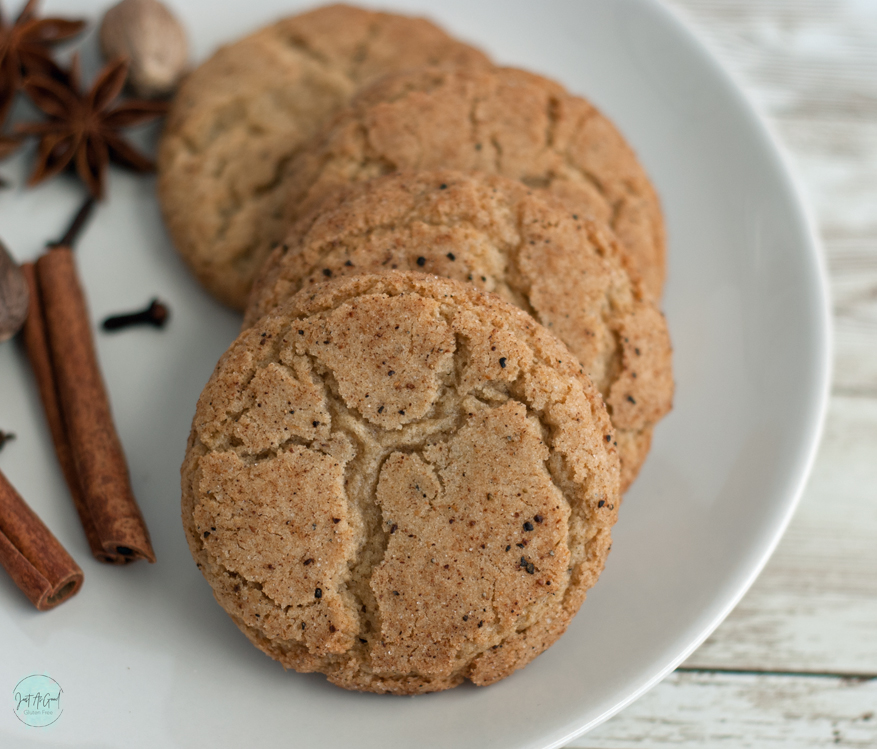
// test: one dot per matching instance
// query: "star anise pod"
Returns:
(82, 127)
(25, 49)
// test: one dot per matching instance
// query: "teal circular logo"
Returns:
(36, 700)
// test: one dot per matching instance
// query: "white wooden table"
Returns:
(795, 664)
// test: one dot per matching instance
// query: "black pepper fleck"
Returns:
(528, 526)
(630, 398)
(451, 256)
(538, 518)
(391, 373)
(443, 186)
(318, 593)
(327, 272)
(421, 261)
(502, 362)
(508, 547)
(394, 528)
(206, 534)
(601, 503)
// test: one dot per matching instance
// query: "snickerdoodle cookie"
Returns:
(503, 121)
(509, 239)
(402, 482)
(242, 115)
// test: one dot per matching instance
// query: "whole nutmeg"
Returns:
(152, 39)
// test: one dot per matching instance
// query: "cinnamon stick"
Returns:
(37, 346)
(34, 558)
(98, 460)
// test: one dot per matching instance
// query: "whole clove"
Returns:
(156, 314)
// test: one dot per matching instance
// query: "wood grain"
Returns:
(734, 711)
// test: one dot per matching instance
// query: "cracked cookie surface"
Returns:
(503, 237)
(502, 121)
(243, 114)
(402, 482)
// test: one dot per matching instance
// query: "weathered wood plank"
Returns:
(853, 266)
(735, 711)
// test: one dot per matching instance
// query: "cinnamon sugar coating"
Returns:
(504, 237)
(239, 118)
(402, 482)
(497, 120)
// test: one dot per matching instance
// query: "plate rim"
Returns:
(817, 287)
(810, 440)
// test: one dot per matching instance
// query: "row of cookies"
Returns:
(239, 160)
(358, 417)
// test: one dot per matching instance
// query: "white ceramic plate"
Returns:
(147, 658)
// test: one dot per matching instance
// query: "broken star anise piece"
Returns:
(25, 48)
(82, 129)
